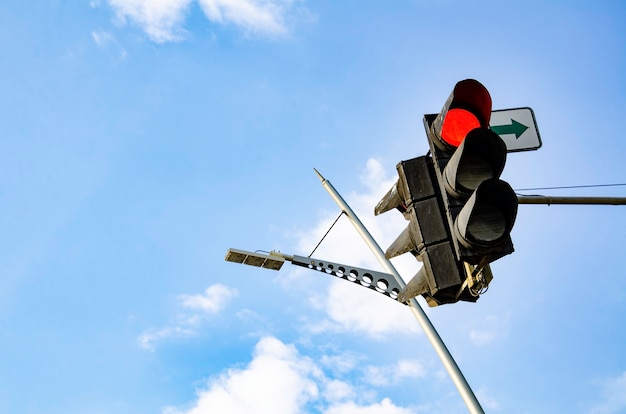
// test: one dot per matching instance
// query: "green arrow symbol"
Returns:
(513, 128)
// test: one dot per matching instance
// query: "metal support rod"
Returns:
(539, 199)
(431, 333)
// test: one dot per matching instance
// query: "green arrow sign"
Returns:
(513, 128)
(517, 128)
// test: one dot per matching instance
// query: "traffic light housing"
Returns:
(460, 213)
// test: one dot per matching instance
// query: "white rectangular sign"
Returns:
(517, 128)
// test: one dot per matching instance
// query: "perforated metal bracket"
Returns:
(380, 282)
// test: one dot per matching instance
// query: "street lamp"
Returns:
(383, 283)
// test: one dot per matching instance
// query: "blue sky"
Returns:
(140, 139)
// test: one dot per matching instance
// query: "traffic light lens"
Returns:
(457, 124)
(475, 170)
(487, 225)
(488, 216)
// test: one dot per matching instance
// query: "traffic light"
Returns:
(460, 213)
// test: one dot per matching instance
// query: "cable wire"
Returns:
(571, 186)
(324, 236)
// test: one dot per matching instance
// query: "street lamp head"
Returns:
(273, 261)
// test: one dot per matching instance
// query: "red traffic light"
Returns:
(456, 125)
(467, 107)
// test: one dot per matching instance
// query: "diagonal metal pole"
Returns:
(440, 348)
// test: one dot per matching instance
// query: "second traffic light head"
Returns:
(479, 157)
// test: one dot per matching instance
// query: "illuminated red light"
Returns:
(456, 125)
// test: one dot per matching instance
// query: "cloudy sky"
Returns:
(140, 139)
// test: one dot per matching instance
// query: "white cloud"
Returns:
(613, 396)
(102, 38)
(149, 338)
(482, 337)
(279, 380)
(211, 301)
(194, 309)
(106, 40)
(253, 16)
(410, 369)
(340, 363)
(392, 374)
(352, 308)
(162, 20)
(336, 391)
(489, 330)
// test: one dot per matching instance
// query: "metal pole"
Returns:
(539, 199)
(440, 348)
